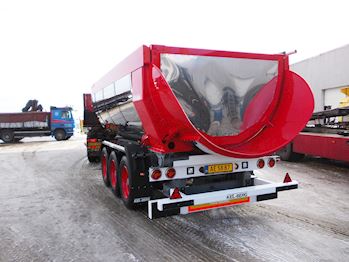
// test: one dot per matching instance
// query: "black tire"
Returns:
(113, 165)
(60, 135)
(67, 138)
(297, 157)
(126, 191)
(105, 167)
(287, 154)
(7, 136)
(92, 159)
(17, 139)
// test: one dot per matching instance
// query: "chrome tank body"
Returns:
(113, 104)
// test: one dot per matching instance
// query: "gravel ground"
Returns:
(54, 207)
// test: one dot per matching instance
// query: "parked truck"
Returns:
(58, 123)
(185, 130)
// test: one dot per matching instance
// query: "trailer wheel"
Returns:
(125, 178)
(7, 136)
(287, 154)
(92, 159)
(105, 169)
(60, 135)
(113, 174)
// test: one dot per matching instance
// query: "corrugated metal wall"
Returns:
(326, 71)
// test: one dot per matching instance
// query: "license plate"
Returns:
(219, 168)
(237, 195)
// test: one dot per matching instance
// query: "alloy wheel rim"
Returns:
(113, 174)
(125, 182)
(104, 167)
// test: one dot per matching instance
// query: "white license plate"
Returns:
(237, 195)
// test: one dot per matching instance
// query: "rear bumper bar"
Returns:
(262, 190)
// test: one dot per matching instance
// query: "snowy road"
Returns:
(54, 207)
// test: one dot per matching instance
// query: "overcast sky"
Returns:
(55, 50)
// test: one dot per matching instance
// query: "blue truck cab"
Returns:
(62, 123)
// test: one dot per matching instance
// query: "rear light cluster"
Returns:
(271, 162)
(170, 173)
(156, 174)
(261, 163)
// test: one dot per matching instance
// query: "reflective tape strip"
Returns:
(218, 204)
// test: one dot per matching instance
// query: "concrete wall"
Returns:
(328, 70)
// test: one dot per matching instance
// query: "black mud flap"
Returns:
(155, 213)
(170, 209)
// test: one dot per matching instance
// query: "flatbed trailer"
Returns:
(184, 130)
(331, 146)
(324, 137)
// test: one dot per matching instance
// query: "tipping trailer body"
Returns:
(58, 123)
(185, 129)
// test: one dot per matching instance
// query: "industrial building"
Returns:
(328, 76)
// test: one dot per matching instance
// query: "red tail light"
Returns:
(260, 163)
(156, 174)
(176, 194)
(92, 140)
(271, 162)
(171, 172)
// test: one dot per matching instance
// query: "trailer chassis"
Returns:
(166, 197)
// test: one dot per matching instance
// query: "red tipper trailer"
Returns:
(184, 130)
